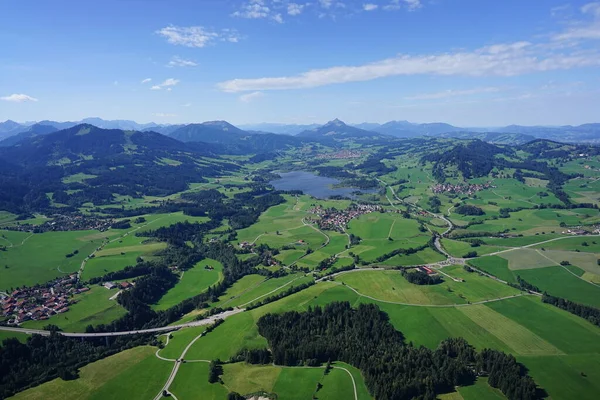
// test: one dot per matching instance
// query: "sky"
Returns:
(466, 62)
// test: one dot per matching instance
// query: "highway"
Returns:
(207, 321)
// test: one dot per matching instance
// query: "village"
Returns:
(64, 222)
(41, 302)
(337, 220)
(461, 188)
(340, 155)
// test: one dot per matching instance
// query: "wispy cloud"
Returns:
(147, 80)
(295, 9)
(257, 9)
(370, 7)
(410, 5)
(247, 98)
(510, 59)
(186, 105)
(18, 98)
(180, 62)
(453, 93)
(589, 28)
(197, 36)
(166, 84)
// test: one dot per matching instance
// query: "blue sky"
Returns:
(466, 62)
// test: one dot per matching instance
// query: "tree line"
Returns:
(364, 338)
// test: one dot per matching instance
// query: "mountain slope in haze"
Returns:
(232, 139)
(209, 132)
(490, 137)
(32, 131)
(284, 129)
(9, 128)
(336, 129)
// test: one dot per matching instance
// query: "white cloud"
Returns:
(164, 115)
(453, 93)
(186, 105)
(166, 84)
(180, 62)
(583, 29)
(18, 98)
(498, 60)
(411, 5)
(253, 10)
(258, 9)
(295, 9)
(326, 3)
(370, 7)
(146, 80)
(247, 98)
(196, 36)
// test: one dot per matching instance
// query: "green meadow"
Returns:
(191, 283)
(41, 257)
(134, 373)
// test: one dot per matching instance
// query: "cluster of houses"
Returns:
(337, 220)
(340, 154)
(60, 222)
(41, 302)
(461, 188)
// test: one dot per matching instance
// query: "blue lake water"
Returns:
(317, 186)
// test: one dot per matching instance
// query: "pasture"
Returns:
(393, 287)
(559, 282)
(132, 374)
(41, 257)
(191, 283)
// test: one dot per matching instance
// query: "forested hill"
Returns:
(87, 142)
(114, 162)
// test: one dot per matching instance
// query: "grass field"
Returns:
(521, 259)
(457, 248)
(191, 382)
(495, 265)
(392, 286)
(22, 337)
(480, 391)
(39, 258)
(559, 282)
(193, 282)
(92, 308)
(131, 374)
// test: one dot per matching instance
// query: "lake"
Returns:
(317, 186)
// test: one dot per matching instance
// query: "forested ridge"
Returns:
(364, 338)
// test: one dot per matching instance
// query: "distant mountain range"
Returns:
(337, 129)
(277, 135)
